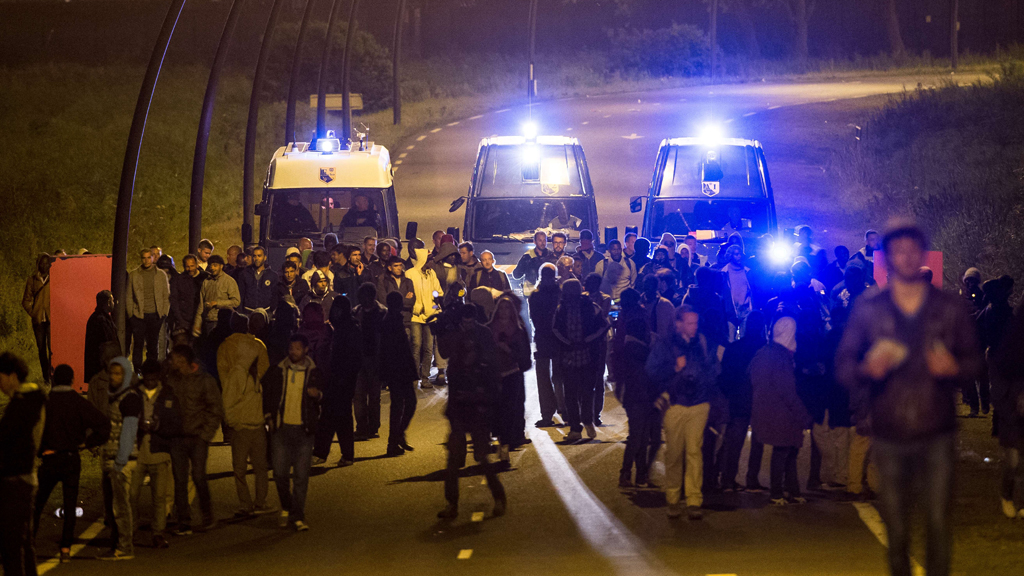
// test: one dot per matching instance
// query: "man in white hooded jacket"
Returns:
(425, 286)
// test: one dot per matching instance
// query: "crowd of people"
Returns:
(699, 350)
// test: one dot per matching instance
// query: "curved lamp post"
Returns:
(195, 212)
(346, 107)
(396, 51)
(321, 101)
(250, 126)
(126, 190)
(293, 84)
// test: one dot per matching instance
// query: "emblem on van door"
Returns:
(327, 175)
(710, 188)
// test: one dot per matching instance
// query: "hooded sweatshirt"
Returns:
(425, 283)
(124, 410)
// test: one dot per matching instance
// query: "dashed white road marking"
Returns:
(568, 129)
(477, 117)
(501, 111)
(456, 123)
(403, 154)
(587, 122)
(465, 554)
(91, 532)
(435, 130)
(477, 517)
(749, 114)
(410, 146)
(421, 138)
(869, 515)
(607, 115)
(729, 121)
(633, 136)
(774, 107)
(397, 162)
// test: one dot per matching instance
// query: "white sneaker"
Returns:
(1009, 510)
(282, 521)
(301, 526)
(503, 453)
(591, 431)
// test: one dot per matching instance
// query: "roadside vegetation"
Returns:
(64, 126)
(953, 159)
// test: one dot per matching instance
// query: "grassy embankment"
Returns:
(64, 128)
(953, 159)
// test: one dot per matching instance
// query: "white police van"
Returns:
(313, 191)
(525, 184)
(709, 187)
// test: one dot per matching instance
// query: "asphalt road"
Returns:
(798, 124)
(566, 516)
(566, 513)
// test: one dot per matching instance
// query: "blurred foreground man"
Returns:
(472, 395)
(21, 429)
(906, 351)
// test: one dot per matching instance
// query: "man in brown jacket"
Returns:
(36, 302)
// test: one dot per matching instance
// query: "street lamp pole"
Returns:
(396, 52)
(293, 84)
(346, 107)
(130, 167)
(714, 38)
(954, 31)
(321, 93)
(531, 88)
(195, 211)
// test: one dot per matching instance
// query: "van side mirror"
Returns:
(457, 203)
(262, 209)
(454, 231)
(636, 204)
(410, 230)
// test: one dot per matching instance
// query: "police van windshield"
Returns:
(722, 171)
(313, 212)
(684, 216)
(516, 219)
(517, 171)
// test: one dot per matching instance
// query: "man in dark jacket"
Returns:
(398, 370)
(637, 393)
(488, 276)
(472, 396)
(396, 281)
(591, 257)
(734, 382)
(201, 413)
(159, 424)
(468, 262)
(369, 315)
(291, 406)
(543, 303)
(685, 369)
(21, 430)
(98, 330)
(257, 284)
(185, 296)
(72, 423)
(580, 327)
(528, 267)
(352, 275)
(910, 347)
(290, 287)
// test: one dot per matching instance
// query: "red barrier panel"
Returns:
(74, 283)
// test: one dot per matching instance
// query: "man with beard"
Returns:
(99, 330)
(352, 275)
(529, 264)
(290, 288)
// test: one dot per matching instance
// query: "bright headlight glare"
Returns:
(530, 131)
(711, 134)
(781, 254)
(531, 155)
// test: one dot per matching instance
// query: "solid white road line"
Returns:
(869, 515)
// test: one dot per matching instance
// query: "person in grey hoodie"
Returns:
(124, 409)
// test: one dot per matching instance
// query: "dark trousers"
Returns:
(146, 330)
(292, 450)
(66, 468)
(367, 399)
(188, 456)
(732, 448)
(579, 397)
(512, 411)
(921, 470)
(977, 393)
(783, 472)
(814, 476)
(754, 460)
(643, 441)
(598, 392)
(403, 407)
(17, 551)
(337, 419)
(550, 391)
(42, 333)
(477, 429)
